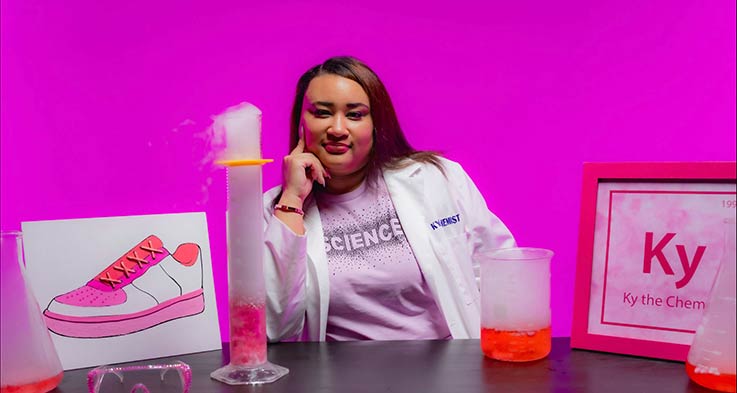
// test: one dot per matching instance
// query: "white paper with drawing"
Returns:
(124, 288)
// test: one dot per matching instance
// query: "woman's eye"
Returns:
(321, 113)
(355, 115)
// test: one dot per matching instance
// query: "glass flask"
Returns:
(711, 358)
(28, 359)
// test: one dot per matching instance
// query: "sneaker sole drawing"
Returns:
(189, 304)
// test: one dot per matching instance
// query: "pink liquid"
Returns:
(42, 386)
(722, 383)
(247, 333)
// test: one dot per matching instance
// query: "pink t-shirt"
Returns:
(377, 290)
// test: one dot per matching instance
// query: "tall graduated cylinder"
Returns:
(246, 289)
(246, 294)
(515, 303)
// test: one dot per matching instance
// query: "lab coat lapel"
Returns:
(407, 190)
(320, 293)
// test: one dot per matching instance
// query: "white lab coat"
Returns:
(296, 267)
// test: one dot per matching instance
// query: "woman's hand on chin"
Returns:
(300, 169)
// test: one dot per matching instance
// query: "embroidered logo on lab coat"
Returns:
(444, 222)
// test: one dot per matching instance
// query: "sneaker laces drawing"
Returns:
(145, 287)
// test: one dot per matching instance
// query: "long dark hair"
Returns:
(391, 148)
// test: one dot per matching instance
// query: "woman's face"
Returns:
(336, 124)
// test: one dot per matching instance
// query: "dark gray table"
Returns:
(453, 366)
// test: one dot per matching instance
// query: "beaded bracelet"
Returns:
(289, 209)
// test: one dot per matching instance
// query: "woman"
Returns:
(368, 238)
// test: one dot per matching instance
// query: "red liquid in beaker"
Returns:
(247, 334)
(723, 382)
(515, 346)
(45, 385)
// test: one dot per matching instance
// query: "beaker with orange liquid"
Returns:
(515, 303)
(711, 358)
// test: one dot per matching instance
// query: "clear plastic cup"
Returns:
(515, 303)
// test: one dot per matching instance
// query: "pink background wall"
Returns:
(104, 103)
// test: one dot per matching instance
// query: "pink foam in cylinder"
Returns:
(247, 333)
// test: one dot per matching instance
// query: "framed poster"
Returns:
(651, 237)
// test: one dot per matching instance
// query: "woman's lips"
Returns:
(336, 148)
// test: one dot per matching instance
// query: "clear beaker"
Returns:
(711, 358)
(28, 359)
(515, 303)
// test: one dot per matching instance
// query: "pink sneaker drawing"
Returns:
(145, 287)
